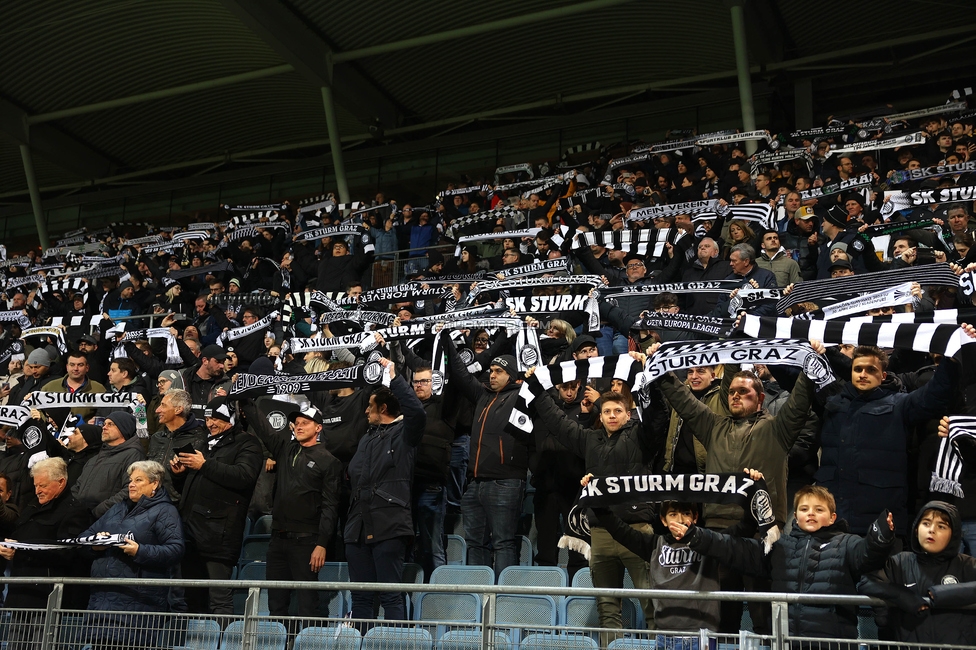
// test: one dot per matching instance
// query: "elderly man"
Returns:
(51, 515)
(742, 259)
(178, 429)
(216, 483)
(705, 267)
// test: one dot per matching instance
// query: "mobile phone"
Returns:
(185, 449)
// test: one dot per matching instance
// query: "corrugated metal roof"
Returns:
(56, 55)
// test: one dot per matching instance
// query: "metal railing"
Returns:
(58, 628)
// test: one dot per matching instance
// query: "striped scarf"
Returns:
(955, 452)
(646, 242)
(945, 339)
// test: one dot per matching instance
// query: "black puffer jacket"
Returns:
(215, 498)
(163, 443)
(494, 453)
(947, 578)
(381, 473)
(828, 561)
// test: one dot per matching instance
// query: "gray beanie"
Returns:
(39, 357)
(126, 423)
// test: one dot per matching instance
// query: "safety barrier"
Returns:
(439, 617)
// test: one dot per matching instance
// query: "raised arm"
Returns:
(697, 415)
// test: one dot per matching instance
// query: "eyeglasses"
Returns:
(481, 339)
(420, 382)
(635, 265)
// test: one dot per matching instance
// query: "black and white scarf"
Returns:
(508, 234)
(781, 351)
(864, 180)
(43, 399)
(542, 267)
(723, 287)
(734, 137)
(15, 347)
(622, 367)
(359, 315)
(23, 281)
(651, 212)
(481, 311)
(709, 325)
(19, 318)
(646, 242)
(172, 349)
(140, 241)
(617, 163)
(251, 386)
(332, 231)
(955, 452)
(247, 219)
(14, 416)
(895, 201)
(452, 278)
(268, 207)
(78, 285)
(520, 168)
(98, 539)
(525, 305)
(893, 228)
(938, 338)
(606, 491)
(898, 295)
(927, 274)
(460, 191)
(246, 330)
(501, 212)
(190, 271)
(388, 295)
(168, 247)
(55, 332)
(306, 301)
(190, 235)
(775, 157)
(761, 213)
(935, 171)
(910, 139)
(940, 316)
(750, 298)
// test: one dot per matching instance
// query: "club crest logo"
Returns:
(277, 420)
(762, 507)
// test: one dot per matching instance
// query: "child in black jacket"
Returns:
(926, 583)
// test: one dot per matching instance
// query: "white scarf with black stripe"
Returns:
(646, 242)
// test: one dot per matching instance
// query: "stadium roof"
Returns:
(133, 91)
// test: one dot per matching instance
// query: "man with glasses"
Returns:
(431, 472)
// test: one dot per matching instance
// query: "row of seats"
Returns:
(516, 611)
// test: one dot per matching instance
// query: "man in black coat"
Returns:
(51, 515)
(303, 517)
(216, 485)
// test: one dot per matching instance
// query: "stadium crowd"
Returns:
(368, 373)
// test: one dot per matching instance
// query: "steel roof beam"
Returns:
(310, 55)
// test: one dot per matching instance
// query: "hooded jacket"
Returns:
(947, 579)
(215, 498)
(827, 561)
(679, 437)
(494, 453)
(381, 473)
(786, 270)
(156, 526)
(104, 479)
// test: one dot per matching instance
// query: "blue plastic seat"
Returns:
(271, 635)
(468, 639)
(261, 527)
(525, 551)
(517, 614)
(254, 549)
(534, 576)
(463, 575)
(457, 550)
(631, 613)
(201, 634)
(343, 637)
(397, 638)
(560, 641)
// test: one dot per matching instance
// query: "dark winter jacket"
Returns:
(104, 480)
(433, 461)
(493, 453)
(625, 452)
(155, 524)
(163, 443)
(60, 518)
(335, 273)
(215, 498)
(381, 473)
(864, 437)
(343, 423)
(828, 561)
(946, 579)
(306, 497)
(555, 468)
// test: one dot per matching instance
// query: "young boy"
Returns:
(674, 566)
(928, 581)
(819, 556)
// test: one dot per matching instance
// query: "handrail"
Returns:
(739, 596)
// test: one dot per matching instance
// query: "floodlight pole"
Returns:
(35, 196)
(335, 142)
(742, 70)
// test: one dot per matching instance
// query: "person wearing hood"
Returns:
(928, 585)
(216, 484)
(83, 442)
(775, 259)
(152, 547)
(379, 527)
(498, 465)
(865, 434)
(818, 556)
(179, 430)
(104, 478)
(167, 379)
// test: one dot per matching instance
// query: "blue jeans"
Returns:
(969, 536)
(663, 642)
(459, 470)
(604, 344)
(491, 510)
(429, 508)
(379, 562)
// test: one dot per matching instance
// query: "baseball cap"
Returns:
(840, 264)
(581, 342)
(309, 413)
(88, 338)
(805, 212)
(214, 351)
